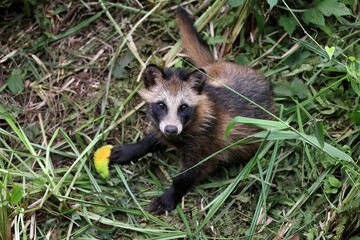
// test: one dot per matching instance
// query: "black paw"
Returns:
(121, 154)
(165, 202)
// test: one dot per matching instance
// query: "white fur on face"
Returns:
(173, 103)
(173, 94)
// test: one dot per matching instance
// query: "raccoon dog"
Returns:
(190, 111)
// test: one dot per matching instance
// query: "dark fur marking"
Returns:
(179, 73)
(197, 79)
(185, 117)
(172, 196)
(156, 113)
(126, 153)
(151, 74)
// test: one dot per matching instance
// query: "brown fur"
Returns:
(196, 50)
(235, 76)
(211, 117)
(212, 105)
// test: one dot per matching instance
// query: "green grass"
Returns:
(69, 76)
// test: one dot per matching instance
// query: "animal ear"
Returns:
(151, 75)
(197, 79)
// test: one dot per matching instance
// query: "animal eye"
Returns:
(160, 106)
(184, 108)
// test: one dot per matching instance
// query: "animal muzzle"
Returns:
(171, 130)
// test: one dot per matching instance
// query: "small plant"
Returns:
(331, 185)
(69, 76)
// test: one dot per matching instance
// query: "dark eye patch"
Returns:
(185, 112)
(161, 106)
(184, 108)
(158, 111)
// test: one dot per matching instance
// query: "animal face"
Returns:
(173, 95)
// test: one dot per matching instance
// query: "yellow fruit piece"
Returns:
(102, 160)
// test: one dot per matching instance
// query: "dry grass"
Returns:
(81, 63)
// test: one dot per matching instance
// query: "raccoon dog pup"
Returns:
(190, 111)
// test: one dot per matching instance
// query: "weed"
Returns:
(69, 74)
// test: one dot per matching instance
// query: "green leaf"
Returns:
(283, 135)
(32, 131)
(15, 81)
(16, 194)
(330, 51)
(242, 59)
(261, 123)
(278, 132)
(313, 15)
(352, 58)
(331, 185)
(353, 75)
(260, 20)
(299, 88)
(327, 29)
(332, 151)
(319, 132)
(216, 39)
(295, 88)
(272, 3)
(283, 90)
(120, 70)
(311, 233)
(355, 115)
(60, 9)
(332, 7)
(355, 85)
(235, 3)
(288, 23)
(334, 182)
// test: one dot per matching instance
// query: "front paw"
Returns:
(165, 202)
(120, 154)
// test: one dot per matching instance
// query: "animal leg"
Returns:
(126, 153)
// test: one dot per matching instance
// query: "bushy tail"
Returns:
(194, 45)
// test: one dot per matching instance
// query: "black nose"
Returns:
(171, 130)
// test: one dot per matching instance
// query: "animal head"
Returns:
(173, 97)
